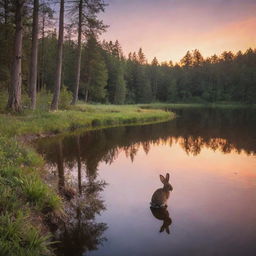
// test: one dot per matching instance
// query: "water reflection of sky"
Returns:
(213, 205)
(210, 155)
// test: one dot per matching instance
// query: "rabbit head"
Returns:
(165, 181)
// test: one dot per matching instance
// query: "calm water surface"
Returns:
(108, 178)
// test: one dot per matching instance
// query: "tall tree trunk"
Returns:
(56, 94)
(14, 101)
(6, 11)
(43, 50)
(7, 31)
(34, 56)
(86, 95)
(79, 53)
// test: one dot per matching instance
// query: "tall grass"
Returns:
(23, 195)
(19, 237)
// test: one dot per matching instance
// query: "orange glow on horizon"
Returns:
(234, 166)
(168, 31)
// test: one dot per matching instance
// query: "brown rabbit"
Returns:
(160, 196)
(162, 214)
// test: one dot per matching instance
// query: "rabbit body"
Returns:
(161, 195)
(159, 198)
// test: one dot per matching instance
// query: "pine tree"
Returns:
(56, 93)
(115, 65)
(187, 60)
(6, 43)
(120, 87)
(87, 21)
(197, 58)
(46, 30)
(94, 72)
(154, 77)
(141, 57)
(34, 56)
(14, 101)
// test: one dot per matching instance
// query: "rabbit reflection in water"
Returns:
(159, 203)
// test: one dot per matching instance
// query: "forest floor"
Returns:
(26, 202)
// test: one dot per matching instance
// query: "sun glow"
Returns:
(170, 28)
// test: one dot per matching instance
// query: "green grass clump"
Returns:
(23, 196)
(19, 237)
(39, 194)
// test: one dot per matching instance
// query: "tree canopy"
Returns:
(105, 73)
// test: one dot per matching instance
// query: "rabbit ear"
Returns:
(162, 178)
(167, 176)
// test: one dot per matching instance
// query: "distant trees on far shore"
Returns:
(97, 71)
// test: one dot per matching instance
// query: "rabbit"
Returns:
(162, 214)
(161, 195)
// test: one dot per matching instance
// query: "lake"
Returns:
(108, 177)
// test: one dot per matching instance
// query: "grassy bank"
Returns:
(26, 201)
(223, 105)
(87, 116)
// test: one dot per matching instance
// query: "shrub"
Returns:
(65, 98)
(44, 98)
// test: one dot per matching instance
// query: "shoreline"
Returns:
(28, 202)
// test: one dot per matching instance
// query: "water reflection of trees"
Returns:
(77, 157)
(78, 232)
(226, 131)
(76, 160)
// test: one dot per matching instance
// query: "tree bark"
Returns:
(14, 101)
(34, 56)
(79, 53)
(6, 11)
(86, 95)
(56, 94)
(42, 52)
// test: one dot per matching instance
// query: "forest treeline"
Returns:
(37, 56)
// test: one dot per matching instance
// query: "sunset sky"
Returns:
(168, 28)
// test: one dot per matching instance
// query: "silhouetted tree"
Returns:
(56, 93)
(34, 56)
